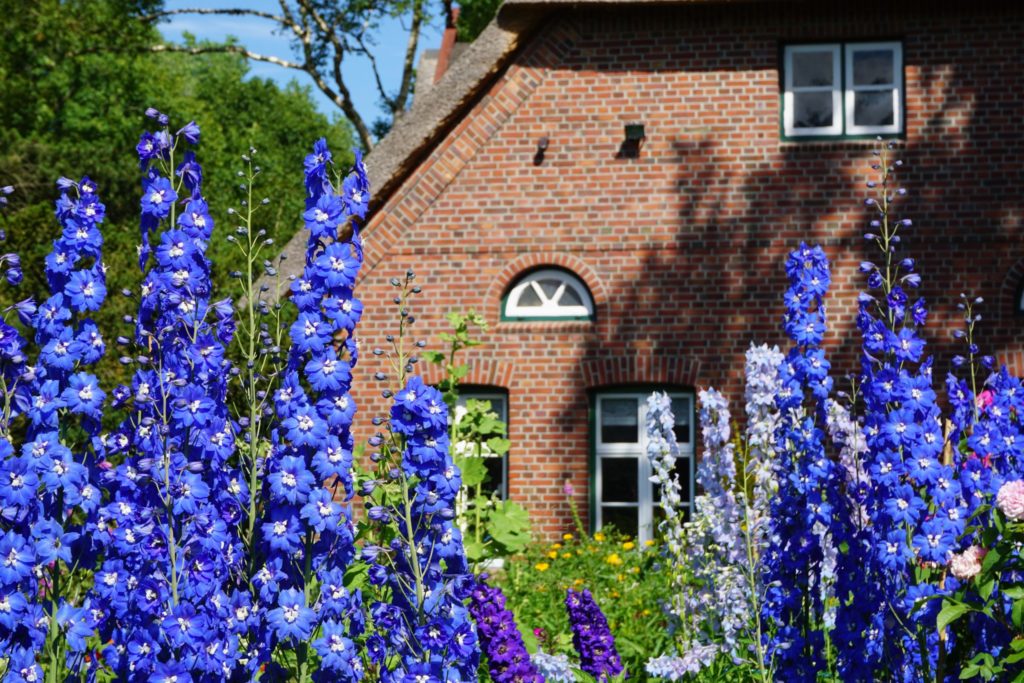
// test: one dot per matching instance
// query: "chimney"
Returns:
(447, 45)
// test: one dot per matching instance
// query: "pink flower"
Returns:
(1010, 500)
(984, 399)
(567, 489)
(967, 565)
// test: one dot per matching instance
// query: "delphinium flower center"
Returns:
(177, 250)
(280, 528)
(156, 197)
(341, 402)
(337, 644)
(305, 423)
(82, 234)
(337, 264)
(288, 479)
(5, 605)
(334, 454)
(902, 504)
(85, 393)
(291, 613)
(16, 481)
(194, 406)
(324, 509)
(180, 277)
(61, 348)
(186, 490)
(321, 216)
(110, 579)
(329, 366)
(12, 558)
(309, 329)
(357, 196)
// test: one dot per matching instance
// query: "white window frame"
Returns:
(491, 395)
(549, 308)
(843, 90)
(836, 89)
(645, 488)
(896, 85)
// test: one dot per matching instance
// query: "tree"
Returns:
(77, 79)
(324, 32)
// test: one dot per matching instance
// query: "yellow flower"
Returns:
(598, 537)
(648, 543)
(635, 570)
(566, 537)
(615, 594)
(566, 556)
(541, 566)
(620, 577)
(628, 545)
(646, 613)
(557, 546)
(578, 582)
(553, 554)
(613, 559)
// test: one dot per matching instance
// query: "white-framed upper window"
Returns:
(497, 465)
(834, 89)
(624, 495)
(549, 293)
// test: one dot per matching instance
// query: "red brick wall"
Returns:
(683, 248)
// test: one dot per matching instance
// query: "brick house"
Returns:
(615, 184)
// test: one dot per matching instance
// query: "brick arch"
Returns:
(640, 366)
(1011, 290)
(534, 260)
(482, 371)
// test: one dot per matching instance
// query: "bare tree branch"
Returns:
(365, 51)
(233, 11)
(408, 65)
(236, 49)
(322, 39)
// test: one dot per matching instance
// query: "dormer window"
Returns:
(548, 294)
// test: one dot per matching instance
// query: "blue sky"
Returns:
(258, 35)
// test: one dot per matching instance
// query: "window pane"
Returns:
(625, 520)
(570, 298)
(495, 482)
(549, 287)
(872, 67)
(812, 68)
(682, 425)
(619, 421)
(683, 472)
(873, 108)
(498, 406)
(529, 297)
(812, 109)
(619, 478)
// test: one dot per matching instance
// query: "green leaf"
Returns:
(1017, 615)
(985, 589)
(1014, 592)
(951, 611)
(498, 445)
(510, 526)
(474, 471)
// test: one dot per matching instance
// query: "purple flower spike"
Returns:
(507, 658)
(591, 636)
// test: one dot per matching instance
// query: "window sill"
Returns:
(541, 326)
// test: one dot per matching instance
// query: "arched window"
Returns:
(548, 294)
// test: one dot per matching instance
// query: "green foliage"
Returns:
(491, 527)
(474, 15)
(978, 600)
(77, 80)
(623, 577)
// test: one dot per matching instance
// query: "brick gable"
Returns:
(683, 247)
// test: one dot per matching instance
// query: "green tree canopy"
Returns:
(77, 78)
